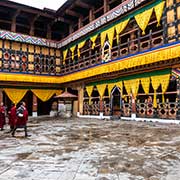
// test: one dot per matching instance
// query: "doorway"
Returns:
(116, 100)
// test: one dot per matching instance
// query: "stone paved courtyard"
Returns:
(86, 149)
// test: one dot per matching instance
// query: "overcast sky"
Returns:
(51, 4)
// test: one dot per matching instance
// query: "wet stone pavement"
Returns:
(87, 149)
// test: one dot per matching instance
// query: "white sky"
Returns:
(51, 4)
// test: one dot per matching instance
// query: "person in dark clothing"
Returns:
(22, 118)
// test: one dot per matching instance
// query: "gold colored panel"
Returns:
(0, 43)
(6, 44)
(58, 69)
(169, 3)
(57, 61)
(52, 52)
(178, 12)
(0, 54)
(24, 47)
(31, 48)
(177, 1)
(31, 58)
(0, 63)
(57, 52)
(170, 16)
(15, 46)
(17, 58)
(37, 49)
(171, 31)
(31, 67)
(45, 51)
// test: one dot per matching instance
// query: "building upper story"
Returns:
(84, 39)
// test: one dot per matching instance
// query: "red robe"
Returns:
(12, 116)
(2, 116)
(22, 121)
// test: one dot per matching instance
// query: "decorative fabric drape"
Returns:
(80, 45)
(110, 87)
(143, 18)
(134, 87)
(101, 89)
(127, 86)
(164, 84)
(44, 94)
(93, 39)
(103, 38)
(145, 82)
(65, 55)
(15, 95)
(120, 27)
(72, 51)
(159, 11)
(110, 33)
(155, 80)
(58, 92)
(89, 90)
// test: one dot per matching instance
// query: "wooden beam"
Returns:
(25, 9)
(83, 5)
(64, 20)
(72, 13)
(106, 6)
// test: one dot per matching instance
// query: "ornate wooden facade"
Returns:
(121, 56)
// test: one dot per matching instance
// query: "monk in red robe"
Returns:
(12, 117)
(22, 118)
(2, 116)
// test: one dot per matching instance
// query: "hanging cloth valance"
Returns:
(127, 86)
(110, 33)
(15, 95)
(44, 94)
(164, 84)
(120, 27)
(159, 11)
(72, 51)
(89, 90)
(93, 39)
(65, 55)
(103, 38)
(110, 87)
(80, 45)
(101, 89)
(120, 85)
(145, 82)
(143, 19)
(134, 87)
(58, 92)
(155, 80)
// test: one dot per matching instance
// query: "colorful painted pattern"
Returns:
(26, 39)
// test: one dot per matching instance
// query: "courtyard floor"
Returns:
(87, 149)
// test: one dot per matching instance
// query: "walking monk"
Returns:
(12, 117)
(22, 118)
(2, 116)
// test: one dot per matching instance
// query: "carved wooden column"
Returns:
(106, 6)
(80, 23)
(133, 107)
(91, 15)
(80, 100)
(49, 31)
(13, 24)
(71, 30)
(178, 97)
(35, 103)
(101, 107)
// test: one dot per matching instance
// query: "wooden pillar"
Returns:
(71, 30)
(91, 15)
(35, 103)
(13, 25)
(101, 107)
(1, 95)
(80, 23)
(31, 32)
(106, 6)
(178, 97)
(49, 31)
(80, 100)
(133, 107)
